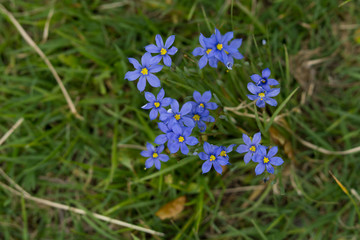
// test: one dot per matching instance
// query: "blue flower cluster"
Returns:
(177, 123)
(217, 48)
(257, 153)
(261, 90)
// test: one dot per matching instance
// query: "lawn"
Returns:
(74, 151)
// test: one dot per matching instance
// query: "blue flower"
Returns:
(176, 116)
(163, 50)
(251, 147)
(220, 45)
(156, 104)
(225, 150)
(180, 138)
(264, 81)
(233, 52)
(266, 160)
(262, 96)
(145, 70)
(163, 138)
(154, 156)
(201, 118)
(206, 51)
(202, 102)
(211, 156)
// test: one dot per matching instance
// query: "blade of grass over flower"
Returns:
(168, 169)
(261, 127)
(278, 110)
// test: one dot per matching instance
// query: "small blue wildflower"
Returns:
(154, 156)
(225, 150)
(180, 138)
(164, 50)
(264, 81)
(220, 45)
(205, 51)
(211, 156)
(250, 148)
(176, 116)
(262, 96)
(233, 52)
(156, 104)
(202, 102)
(163, 138)
(267, 160)
(145, 70)
(201, 118)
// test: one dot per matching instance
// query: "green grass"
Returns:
(55, 156)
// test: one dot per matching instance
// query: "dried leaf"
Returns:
(171, 209)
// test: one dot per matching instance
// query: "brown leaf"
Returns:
(171, 209)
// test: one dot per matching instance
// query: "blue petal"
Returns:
(213, 62)
(266, 73)
(271, 102)
(273, 92)
(132, 75)
(257, 138)
(260, 103)
(247, 157)
(211, 106)
(256, 78)
(227, 37)
(198, 51)
(145, 59)
(157, 164)
(186, 108)
(189, 122)
(169, 41)
(246, 139)
(166, 102)
(203, 156)
(192, 141)
(272, 82)
(161, 139)
(153, 80)
(159, 41)
(277, 161)
(273, 151)
(153, 114)
(155, 68)
(149, 163)
(236, 43)
(270, 168)
(172, 51)
(217, 167)
(173, 147)
(163, 157)
(149, 97)
(160, 95)
(184, 149)
(141, 84)
(260, 168)
(202, 126)
(253, 88)
(207, 147)
(203, 61)
(252, 97)
(206, 166)
(175, 106)
(152, 48)
(135, 63)
(206, 97)
(242, 148)
(146, 153)
(167, 60)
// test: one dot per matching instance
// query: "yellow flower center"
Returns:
(144, 71)
(177, 116)
(163, 51)
(266, 160)
(196, 117)
(223, 153)
(156, 104)
(201, 105)
(212, 158)
(181, 139)
(261, 95)
(208, 51)
(155, 155)
(253, 148)
(219, 46)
